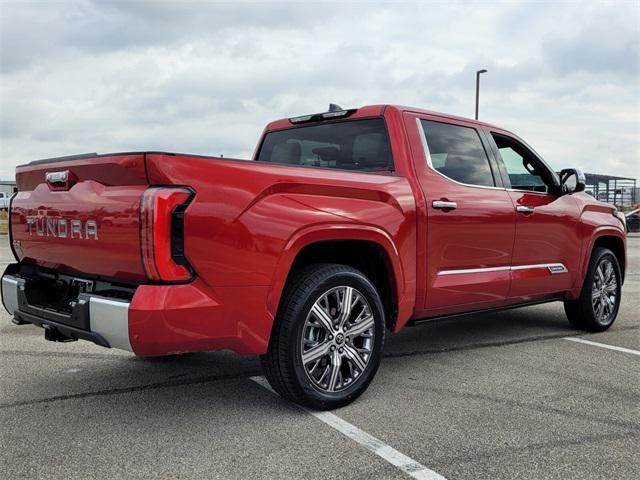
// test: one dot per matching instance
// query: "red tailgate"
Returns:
(88, 223)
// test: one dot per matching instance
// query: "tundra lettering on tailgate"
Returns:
(62, 228)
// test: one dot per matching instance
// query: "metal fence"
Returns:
(618, 191)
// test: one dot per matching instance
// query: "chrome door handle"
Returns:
(444, 205)
(524, 209)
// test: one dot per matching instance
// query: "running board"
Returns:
(422, 321)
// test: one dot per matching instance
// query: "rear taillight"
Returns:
(162, 234)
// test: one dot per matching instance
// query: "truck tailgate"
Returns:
(86, 225)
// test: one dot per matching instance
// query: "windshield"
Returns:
(351, 145)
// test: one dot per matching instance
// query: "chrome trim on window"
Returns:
(427, 153)
(528, 191)
(552, 267)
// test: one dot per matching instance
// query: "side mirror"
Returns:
(572, 180)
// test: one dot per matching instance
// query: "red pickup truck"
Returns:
(346, 225)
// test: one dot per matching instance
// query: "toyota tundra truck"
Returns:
(345, 226)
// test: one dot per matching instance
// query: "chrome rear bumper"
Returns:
(10, 293)
(108, 318)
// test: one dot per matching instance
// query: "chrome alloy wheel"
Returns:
(337, 339)
(604, 292)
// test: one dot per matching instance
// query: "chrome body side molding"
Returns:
(552, 267)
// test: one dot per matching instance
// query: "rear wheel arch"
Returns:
(366, 256)
(369, 251)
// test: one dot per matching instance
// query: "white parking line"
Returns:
(371, 443)
(603, 345)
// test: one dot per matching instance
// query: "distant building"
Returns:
(8, 186)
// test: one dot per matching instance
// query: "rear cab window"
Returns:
(361, 145)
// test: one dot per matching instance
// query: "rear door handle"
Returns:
(444, 205)
(524, 209)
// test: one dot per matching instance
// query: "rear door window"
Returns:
(457, 153)
(350, 145)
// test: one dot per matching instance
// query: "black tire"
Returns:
(581, 312)
(283, 363)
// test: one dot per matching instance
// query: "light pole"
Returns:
(478, 89)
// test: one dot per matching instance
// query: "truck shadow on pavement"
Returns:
(108, 374)
(487, 329)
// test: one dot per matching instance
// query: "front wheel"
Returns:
(327, 342)
(597, 307)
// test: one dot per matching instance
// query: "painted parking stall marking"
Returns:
(394, 457)
(603, 345)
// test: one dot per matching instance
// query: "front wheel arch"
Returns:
(616, 245)
(582, 312)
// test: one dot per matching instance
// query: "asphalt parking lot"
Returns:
(501, 395)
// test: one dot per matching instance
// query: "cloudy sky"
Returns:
(204, 77)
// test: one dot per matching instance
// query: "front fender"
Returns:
(588, 246)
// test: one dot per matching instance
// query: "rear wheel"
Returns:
(328, 338)
(597, 307)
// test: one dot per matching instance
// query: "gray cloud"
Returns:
(98, 27)
(206, 77)
(608, 45)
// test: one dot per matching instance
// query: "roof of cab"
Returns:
(444, 115)
(377, 110)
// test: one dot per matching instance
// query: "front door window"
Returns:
(524, 169)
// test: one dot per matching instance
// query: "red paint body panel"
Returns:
(549, 235)
(477, 234)
(115, 254)
(231, 238)
(247, 222)
(109, 170)
(169, 319)
(595, 222)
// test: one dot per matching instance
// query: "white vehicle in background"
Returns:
(4, 201)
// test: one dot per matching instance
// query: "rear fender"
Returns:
(329, 232)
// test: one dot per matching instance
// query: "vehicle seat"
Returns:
(328, 154)
(370, 152)
(288, 153)
(456, 168)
